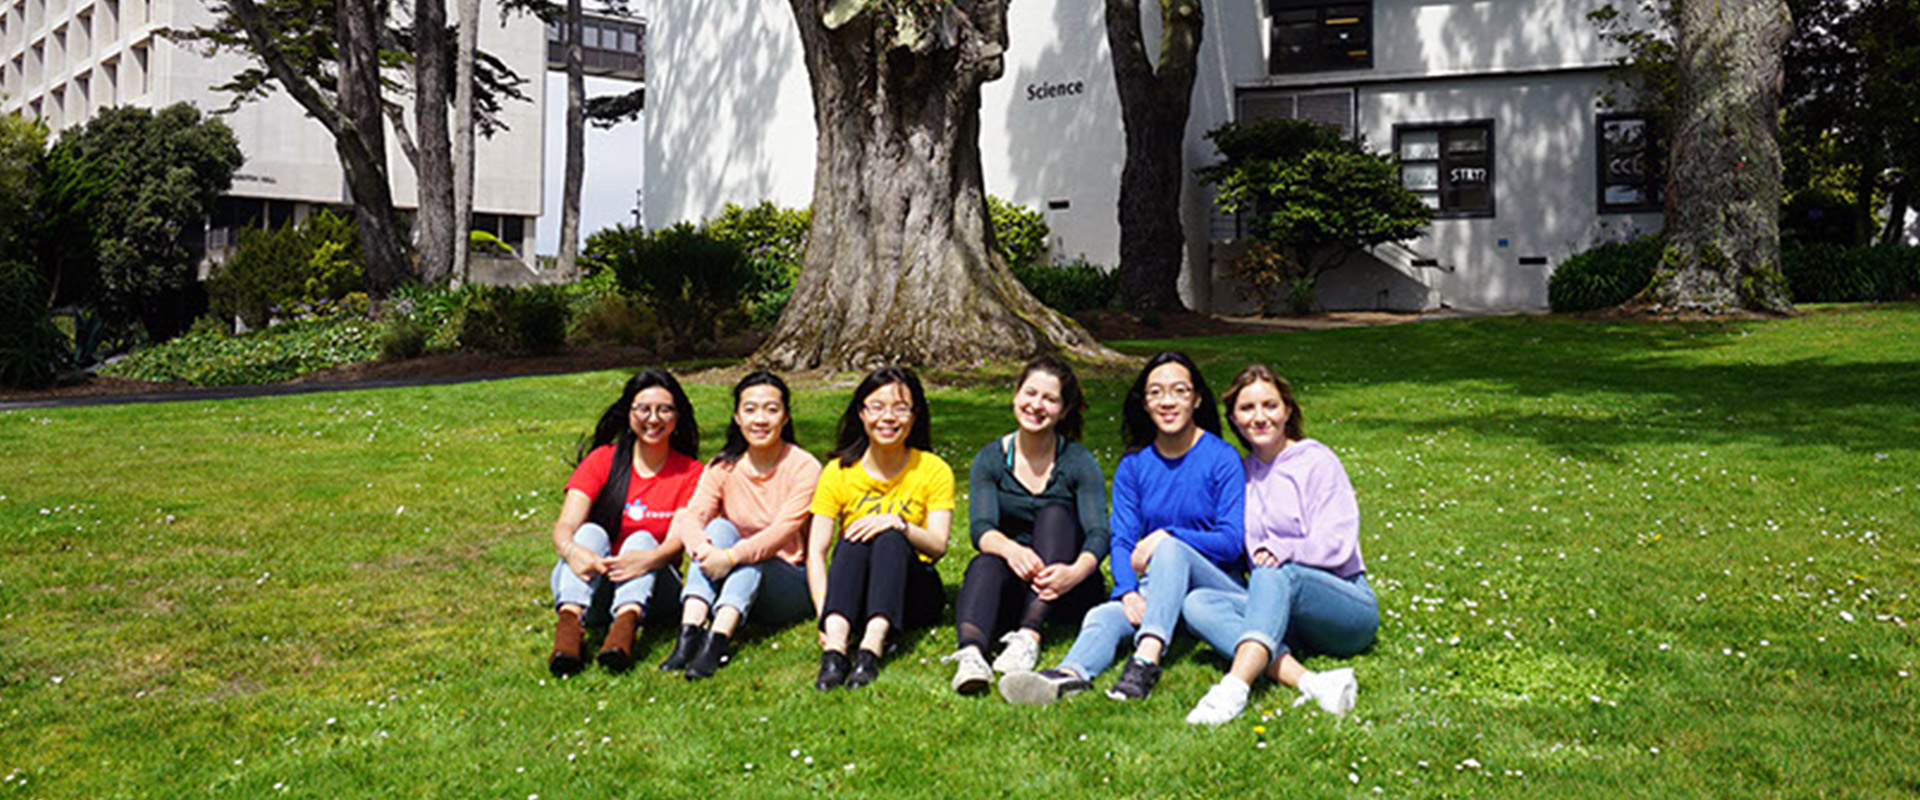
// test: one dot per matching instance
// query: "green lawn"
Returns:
(1613, 559)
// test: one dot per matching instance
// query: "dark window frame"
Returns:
(1653, 184)
(1442, 188)
(1324, 57)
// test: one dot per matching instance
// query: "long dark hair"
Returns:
(1136, 425)
(736, 445)
(1073, 404)
(615, 429)
(852, 441)
(1295, 426)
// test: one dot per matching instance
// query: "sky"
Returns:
(613, 166)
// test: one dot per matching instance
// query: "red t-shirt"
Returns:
(650, 501)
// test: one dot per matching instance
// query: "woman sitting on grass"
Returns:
(892, 500)
(743, 529)
(637, 468)
(1039, 520)
(1308, 589)
(1178, 511)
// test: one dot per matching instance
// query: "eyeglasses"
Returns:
(663, 411)
(877, 410)
(1178, 391)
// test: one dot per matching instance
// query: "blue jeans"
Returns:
(1174, 570)
(602, 595)
(1285, 608)
(780, 587)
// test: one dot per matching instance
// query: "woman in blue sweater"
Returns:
(1179, 505)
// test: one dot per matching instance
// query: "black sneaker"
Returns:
(708, 661)
(1136, 681)
(691, 637)
(833, 670)
(1041, 688)
(866, 669)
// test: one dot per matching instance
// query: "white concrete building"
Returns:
(1492, 105)
(64, 60)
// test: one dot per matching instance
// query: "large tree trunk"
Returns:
(433, 83)
(1723, 188)
(354, 122)
(899, 266)
(463, 133)
(576, 140)
(1153, 108)
(363, 148)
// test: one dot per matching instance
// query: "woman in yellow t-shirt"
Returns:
(891, 499)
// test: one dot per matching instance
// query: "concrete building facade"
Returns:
(1492, 106)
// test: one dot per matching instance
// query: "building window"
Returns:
(1450, 166)
(1631, 170)
(610, 47)
(1314, 35)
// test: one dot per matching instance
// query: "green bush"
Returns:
(266, 355)
(690, 279)
(403, 338)
(32, 348)
(1019, 233)
(614, 319)
(482, 243)
(501, 319)
(1605, 275)
(273, 272)
(773, 240)
(1072, 287)
(1829, 273)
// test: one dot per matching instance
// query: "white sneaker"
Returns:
(1019, 653)
(1334, 690)
(972, 675)
(1220, 704)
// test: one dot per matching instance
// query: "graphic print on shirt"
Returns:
(637, 511)
(871, 504)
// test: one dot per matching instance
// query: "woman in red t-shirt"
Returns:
(615, 554)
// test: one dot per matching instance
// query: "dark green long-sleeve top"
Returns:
(997, 501)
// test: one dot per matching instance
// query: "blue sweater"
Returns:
(1200, 498)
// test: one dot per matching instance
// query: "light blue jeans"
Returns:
(601, 595)
(1288, 607)
(780, 588)
(1175, 570)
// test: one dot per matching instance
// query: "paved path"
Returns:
(266, 390)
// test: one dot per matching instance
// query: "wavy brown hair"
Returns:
(1258, 373)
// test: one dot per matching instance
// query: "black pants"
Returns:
(883, 577)
(993, 599)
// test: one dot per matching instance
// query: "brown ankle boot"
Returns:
(616, 653)
(569, 637)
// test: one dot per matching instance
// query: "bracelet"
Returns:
(731, 562)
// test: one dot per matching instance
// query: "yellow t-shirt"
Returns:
(849, 493)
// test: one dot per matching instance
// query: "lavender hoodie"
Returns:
(1300, 507)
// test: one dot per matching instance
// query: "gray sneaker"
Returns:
(972, 675)
(1019, 654)
(1041, 688)
(1136, 680)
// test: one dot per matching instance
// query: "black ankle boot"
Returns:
(684, 648)
(708, 661)
(833, 670)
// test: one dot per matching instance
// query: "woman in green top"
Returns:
(1039, 520)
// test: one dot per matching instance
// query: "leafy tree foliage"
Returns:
(150, 179)
(1314, 198)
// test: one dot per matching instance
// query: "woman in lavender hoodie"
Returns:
(1308, 589)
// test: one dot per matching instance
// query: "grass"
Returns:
(1650, 560)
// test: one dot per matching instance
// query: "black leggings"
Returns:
(883, 577)
(993, 599)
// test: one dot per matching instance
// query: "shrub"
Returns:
(311, 264)
(617, 319)
(1072, 287)
(1019, 233)
(32, 348)
(1274, 279)
(1829, 273)
(1312, 193)
(403, 338)
(1605, 275)
(501, 319)
(773, 240)
(482, 243)
(687, 277)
